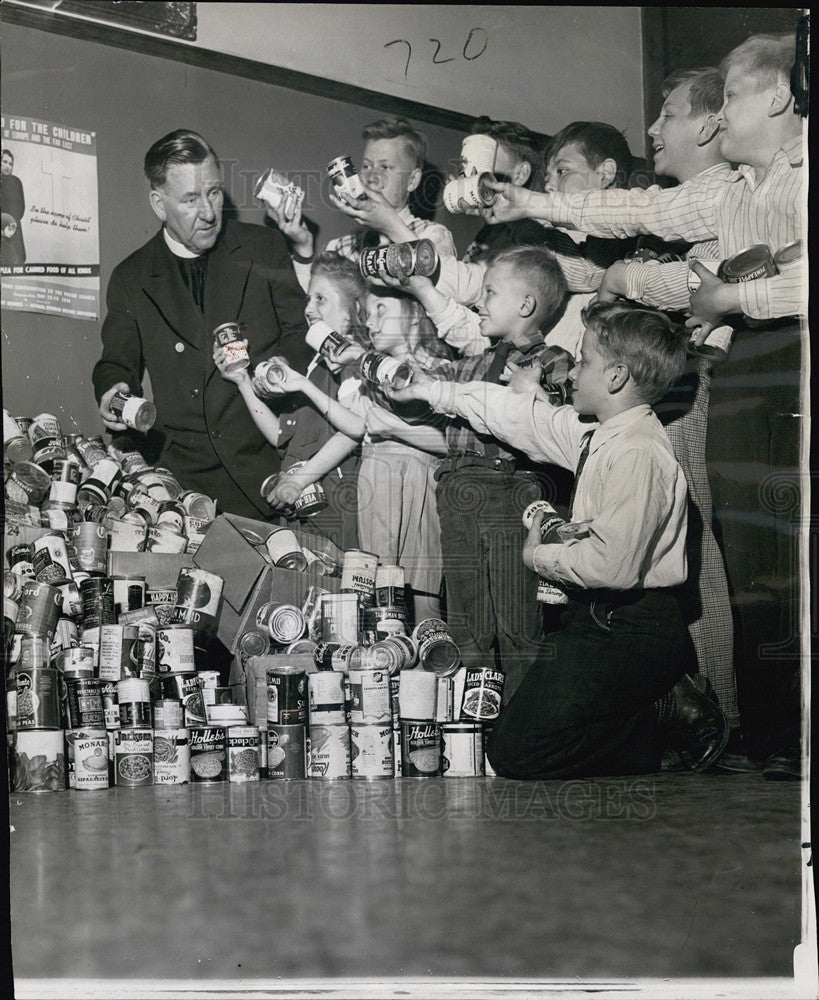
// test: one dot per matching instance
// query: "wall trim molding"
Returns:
(250, 69)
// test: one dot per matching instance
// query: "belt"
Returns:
(456, 463)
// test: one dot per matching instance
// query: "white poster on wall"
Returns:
(50, 247)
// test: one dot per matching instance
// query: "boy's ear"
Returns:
(414, 179)
(708, 130)
(617, 377)
(528, 305)
(157, 204)
(781, 98)
(608, 172)
(521, 173)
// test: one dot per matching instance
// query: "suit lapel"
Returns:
(165, 288)
(225, 288)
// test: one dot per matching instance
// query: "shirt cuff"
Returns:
(545, 561)
(772, 298)
(442, 397)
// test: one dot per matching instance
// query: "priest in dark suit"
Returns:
(165, 300)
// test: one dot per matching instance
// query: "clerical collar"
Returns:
(178, 249)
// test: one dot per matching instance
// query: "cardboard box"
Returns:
(233, 548)
(160, 569)
(248, 681)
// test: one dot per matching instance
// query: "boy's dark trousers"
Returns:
(490, 594)
(586, 706)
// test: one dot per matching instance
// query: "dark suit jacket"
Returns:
(210, 441)
(13, 203)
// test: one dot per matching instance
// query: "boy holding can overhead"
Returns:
(392, 164)
(616, 669)
(483, 485)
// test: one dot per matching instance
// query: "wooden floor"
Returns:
(655, 877)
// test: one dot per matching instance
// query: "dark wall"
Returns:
(130, 100)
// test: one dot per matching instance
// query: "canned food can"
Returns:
(395, 260)
(129, 593)
(445, 705)
(134, 698)
(390, 588)
(39, 761)
(716, 345)
(311, 611)
(70, 596)
(168, 713)
(286, 695)
(78, 661)
(437, 649)
(91, 546)
(119, 655)
(133, 411)
(46, 438)
(791, 253)
(126, 536)
(84, 703)
(488, 728)
(39, 609)
(324, 339)
(28, 483)
(90, 759)
(110, 704)
(343, 175)
(243, 754)
(550, 593)
(162, 538)
(38, 699)
(146, 649)
(133, 757)
(340, 618)
(63, 496)
(358, 574)
(383, 655)
(418, 694)
(174, 649)
(35, 653)
(20, 559)
(306, 646)
(210, 678)
(197, 598)
(286, 751)
(370, 697)
(311, 501)
(334, 656)
(372, 752)
(208, 753)
(98, 602)
(462, 750)
(50, 560)
(284, 623)
(66, 636)
(754, 262)
(172, 756)
(284, 549)
(326, 697)
(329, 755)
(483, 693)
(231, 337)
(420, 749)
(187, 687)
(253, 642)
(16, 445)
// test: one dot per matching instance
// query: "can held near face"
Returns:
(133, 757)
(172, 756)
(483, 693)
(343, 175)
(372, 752)
(329, 755)
(462, 750)
(243, 754)
(39, 761)
(286, 751)
(420, 749)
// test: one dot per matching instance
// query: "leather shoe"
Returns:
(783, 766)
(698, 732)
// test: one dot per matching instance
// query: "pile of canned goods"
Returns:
(62, 481)
(377, 701)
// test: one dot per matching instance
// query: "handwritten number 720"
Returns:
(474, 47)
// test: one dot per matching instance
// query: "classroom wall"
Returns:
(130, 100)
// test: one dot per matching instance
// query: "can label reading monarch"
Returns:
(90, 759)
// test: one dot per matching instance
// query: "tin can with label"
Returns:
(286, 751)
(127, 536)
(90, 746)
(118, 655)
(162, 538)
(133, 757)
(39, 609)
(286, 695)
(358, 574)
(283, 622)
(329, 755)
(390, 588)
(78, 661)
(84, 703)
(133, 411)
(334, 656)
(370, 697)
(285, 550)
(70, 597)
(35, 653)
(20, 559)
(749, 264)
(38, 699)
(311, 611)
(445, 704)
(39, 761)
(172, 756)
(340, 618)
(98, 602)
(66, 636)
(146, 649)
(208, 753)
(343, 176)
(243, 754)
(483, 693)
(326, 695)
(462, 752)
(134, 698)
(168, 713)
(383, 655)
(63, 495)
(437, 649)
(383, 623)
(188, 688)
(46, 437)
(16, 445)
(197, 598)
(28, 483)
(110, 704)
(91, 546)
(231, 336)
(372, 752)
(420, 749)
(418, 694)
(311, 501)
(174, 649)
(129, 593)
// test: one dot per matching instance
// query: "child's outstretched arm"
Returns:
(344, 420)
(263, 417)
(385, 423)
(327, 458)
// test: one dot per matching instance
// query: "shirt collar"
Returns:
(614, 425)
(177, 248)
(405, 215)
(792, 151)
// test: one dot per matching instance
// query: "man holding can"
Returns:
(164, 301)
